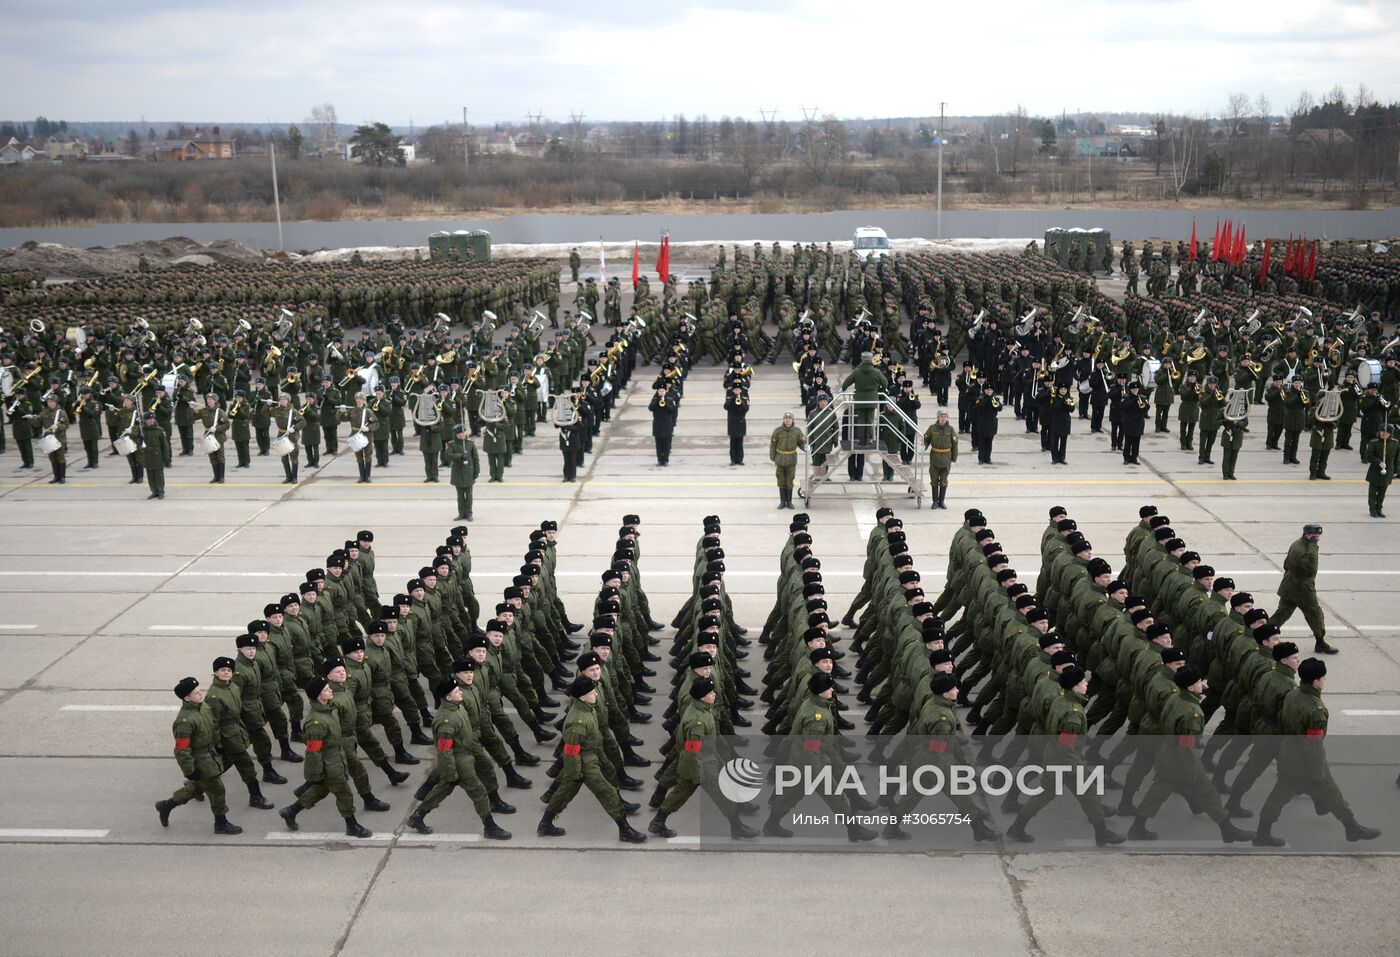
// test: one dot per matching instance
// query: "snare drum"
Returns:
(125, 445)
(49, 444)
(208, 444)
(283, 445)
(357, 441)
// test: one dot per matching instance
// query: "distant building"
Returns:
(15, 152)
(201, 146)
(57, 149)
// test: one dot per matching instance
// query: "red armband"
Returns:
(314, 747)
(182, 744)
(937, 745)
(1318, 733)
(1069, 739)
(692, 747)
(1185, 740)
(572, 750)
(444, 744)
(811, 744)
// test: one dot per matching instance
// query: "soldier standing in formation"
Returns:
(782, 452)
(941, 440)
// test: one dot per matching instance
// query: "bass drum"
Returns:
(1368, 371)
(168, 380)
(1150, 366)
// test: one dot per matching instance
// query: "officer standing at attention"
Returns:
(1383, 452)
(782, 452)
(197, 753)
(941, 440)
(466, 466)
(1298, 590)
(155, 450)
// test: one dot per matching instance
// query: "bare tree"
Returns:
(1019, 132)
(322, 121)
(1186, 142)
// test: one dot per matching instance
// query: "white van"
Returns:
(870, 241)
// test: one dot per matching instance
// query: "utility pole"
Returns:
(941, 107)
(276, 201)
(466, 142)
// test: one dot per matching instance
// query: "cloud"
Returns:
(259, 60)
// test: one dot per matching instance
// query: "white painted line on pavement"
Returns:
(18, 627)
(120, 707)
(684, 839)
(42, 833)
(195, 628)
(439, 838)
(323, 836)
(1370, 713)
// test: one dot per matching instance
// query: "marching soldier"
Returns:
(466, 466)
(736, 408)
(664, 408)
(288, 422)
(1320, 441)
(1298, 589)
(310, 427)
(495, 442)
(380, 407)
(583, 744)
(325, 767)
(240, 418)
(89, 416)
(225, 706)
(197, 753)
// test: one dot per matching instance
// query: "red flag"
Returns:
(1241, 246)
(663, 261)
(1225, 242)
(1288, 255)
(636, 265)
(1264, 263)
(1193, 240)
(1312, 261)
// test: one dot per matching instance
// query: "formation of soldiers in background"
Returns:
(1035, 336)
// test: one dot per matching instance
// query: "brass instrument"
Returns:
(1027, 323)
(272, 360)
(442, 325)
(976, 322)
(1075, 322)
(1329, 406)
(1300, 320)
(1196, 327)
(1236, 405)
(1270, 348)
(292, 379)
(1251, 325)
(37, 326)
(145, 381)
(447, 358)
(284, 325)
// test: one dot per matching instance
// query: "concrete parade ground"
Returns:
(110, 599)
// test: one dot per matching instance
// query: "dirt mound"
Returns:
(56, 261)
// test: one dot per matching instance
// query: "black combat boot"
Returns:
(222, 825)
(498, 806)
(658, 826)
(541, 734)
(354, 828)
(256, 799)
(773, 827)
(524, 758)
(514, 779)
(373, 803)
(547, 827)
(494, 831)
(982, 829)
(1104, 835)
(287, 754)
(424, 788)
(632, 759)
(289, 815)
(1264, 837)
(415, 821)
(296, 732)
(627, 833)
(403, 757)
(416, 735)
(1231, 834)
(270, 775)
(395, 776)
(1360, 832)
(163, 808)
(658, 797)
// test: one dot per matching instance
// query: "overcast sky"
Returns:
(271, 60)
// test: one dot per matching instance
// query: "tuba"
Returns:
(1075, 322)
(976, 322)
(1354, 321)
(1251, 325)
(283, 327)
(1300, 319)
(1236, 405)
(1329, 406)
(1023, 328)
(1198, 324)
(442, 325)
